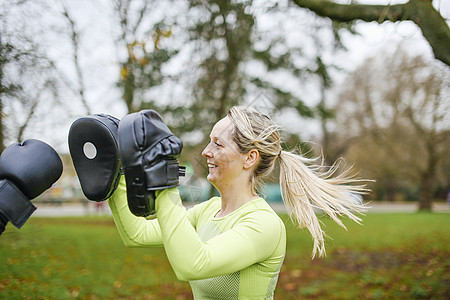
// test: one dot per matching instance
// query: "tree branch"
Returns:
(76, 45)
(433, 26)
(351, 12)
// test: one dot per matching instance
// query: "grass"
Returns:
(391, 256)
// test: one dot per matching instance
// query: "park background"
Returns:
(371, 87)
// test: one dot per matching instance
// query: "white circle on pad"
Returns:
(89, 150)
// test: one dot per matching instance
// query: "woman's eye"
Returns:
(217, 144)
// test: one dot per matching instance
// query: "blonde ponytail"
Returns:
(305, 187)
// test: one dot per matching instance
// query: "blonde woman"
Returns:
(231, 246)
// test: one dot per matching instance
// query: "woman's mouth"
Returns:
(211, 166)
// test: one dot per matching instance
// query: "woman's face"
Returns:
(225, 162)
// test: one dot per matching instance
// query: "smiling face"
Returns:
(225, 162)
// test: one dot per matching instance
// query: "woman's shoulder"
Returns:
(259, 210)
(261, 205)
(260, 217)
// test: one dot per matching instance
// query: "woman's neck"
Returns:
(233, 198)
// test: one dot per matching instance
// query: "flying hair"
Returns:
(305, 184)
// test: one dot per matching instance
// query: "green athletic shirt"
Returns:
(238, 256)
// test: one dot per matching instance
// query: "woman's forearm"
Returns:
(134, 231)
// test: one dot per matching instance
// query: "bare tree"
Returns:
(398, 106)
(30, 79)
(21, 90)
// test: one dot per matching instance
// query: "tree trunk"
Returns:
(391, 188)
(2, 90)
(428, 180)
(426, 192)
(129, 87)
(329, 157)
(2, 142)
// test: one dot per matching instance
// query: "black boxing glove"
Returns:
(148, 150)
(95, 155)
(26, 171)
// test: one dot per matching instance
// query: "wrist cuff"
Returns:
(14, 205)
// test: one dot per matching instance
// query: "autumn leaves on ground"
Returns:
(391, 256)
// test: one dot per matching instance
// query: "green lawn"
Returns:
(391, 256)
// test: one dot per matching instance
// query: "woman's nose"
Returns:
(206, 152)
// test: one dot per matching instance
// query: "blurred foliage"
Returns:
(225, 43)
(84, 258)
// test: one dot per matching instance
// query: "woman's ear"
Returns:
(252, 157)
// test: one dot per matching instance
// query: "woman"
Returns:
(232, 246)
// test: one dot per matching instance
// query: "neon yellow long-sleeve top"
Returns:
(238, 256)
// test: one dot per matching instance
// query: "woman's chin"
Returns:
(213, 178)
(210, 178)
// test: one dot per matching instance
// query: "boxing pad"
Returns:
(93, 146)
(26, 171)
(148, 150)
